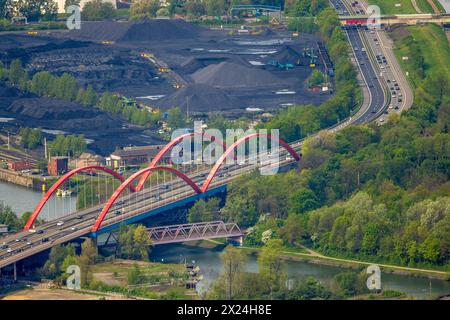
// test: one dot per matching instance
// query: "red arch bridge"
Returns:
(110, 199)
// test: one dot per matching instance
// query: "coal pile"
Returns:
(286, 54)
(231, 74)
(137, 31)
(199, 97)
(193, 64)
(57, 114)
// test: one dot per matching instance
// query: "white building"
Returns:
(61, 4)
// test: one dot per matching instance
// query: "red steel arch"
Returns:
(231, 148)
(128, 182)
(60, 181)
(167, 148)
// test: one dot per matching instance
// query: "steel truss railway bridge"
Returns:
(136, 197)
(187, 232)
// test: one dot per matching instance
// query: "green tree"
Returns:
(15, 72)
(293, 229)
(345, 284)
(175, 119)
(142, 242)
(97, 10)
(233, 261)
(271, 265)
(303, 200)
(134, 242)
(35, 10)
(215, 7)
(308, 289)
(8, 217)
(195, 8)
(316, 78)
(204, 210)
(53, 266)
(143, 8)
(163, 12)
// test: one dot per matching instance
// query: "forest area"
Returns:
(368, 192)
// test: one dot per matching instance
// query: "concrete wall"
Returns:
(25, 180)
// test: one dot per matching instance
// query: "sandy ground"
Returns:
(42, 292)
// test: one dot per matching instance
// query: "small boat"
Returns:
(66, 193)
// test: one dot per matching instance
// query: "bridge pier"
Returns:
(15, 271)
(237, 241)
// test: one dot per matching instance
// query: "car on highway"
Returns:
(39, 231)
(79, 217)
(4, 246)
(60, 223)
(44, 239)
(73, 229)
(10, 250)
(164, 186)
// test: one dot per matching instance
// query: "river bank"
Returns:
(22, 199)
(23, 179)
(313, 257)
(206, 254)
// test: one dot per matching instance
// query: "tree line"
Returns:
(272, 281)
(65, 87)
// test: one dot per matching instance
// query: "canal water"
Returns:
(208, 259)
(22, 199)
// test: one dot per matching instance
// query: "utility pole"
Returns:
(45, 148)
(8, 140)
(187, 108)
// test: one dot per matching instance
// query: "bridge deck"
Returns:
(194, 231)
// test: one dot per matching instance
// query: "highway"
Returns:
(401, 97)
(373, 71)
(377, 99)
(25, 243)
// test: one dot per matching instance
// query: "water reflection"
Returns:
(22, 199)
(209, 261)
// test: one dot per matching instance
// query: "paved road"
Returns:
(446, 5)
(394, 71)
(25, 243)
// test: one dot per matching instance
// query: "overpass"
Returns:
(134, 199)
(388, 20)
(140, 202)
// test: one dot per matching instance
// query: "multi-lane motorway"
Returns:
(25, 243)
(375, 70)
